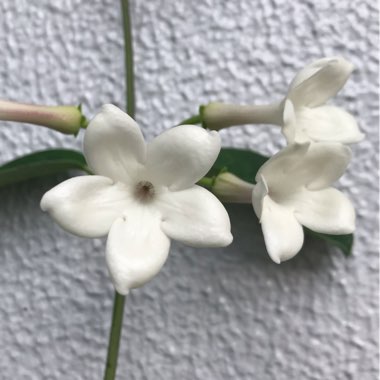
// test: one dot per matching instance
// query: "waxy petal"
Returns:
(283, 234)
(319, 81)
(326, 124)
(323, 164)
(195, 217)
(181, 156)
(315, 166)
(289, 123)
(136, 249)
(114, 145)
(278, 170)
(327, 211)
(260, 191)
(86, 206)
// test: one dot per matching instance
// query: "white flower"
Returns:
(293, 190)
(313, 119)
(142, 196)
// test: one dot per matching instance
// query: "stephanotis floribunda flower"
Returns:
(142, 195)
(293, 190)
(309, 91)
(315, 121)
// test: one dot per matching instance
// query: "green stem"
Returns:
(118, 308)
(195, 119)
(128, 49)
(114, 340)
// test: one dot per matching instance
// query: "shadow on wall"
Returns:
(249, 242)
(244, 264)
(20, 207)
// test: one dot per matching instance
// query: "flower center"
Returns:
(144, 191)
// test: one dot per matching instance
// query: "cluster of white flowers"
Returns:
(293, 187)
(142, 195)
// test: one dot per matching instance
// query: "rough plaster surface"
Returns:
(210, 314)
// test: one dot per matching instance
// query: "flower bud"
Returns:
(65, 119)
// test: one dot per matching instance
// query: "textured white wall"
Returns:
(210, 314)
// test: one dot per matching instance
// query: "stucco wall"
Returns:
(210, 314)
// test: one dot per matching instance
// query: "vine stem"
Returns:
(119, 300)
(114, 340)
(128, 59)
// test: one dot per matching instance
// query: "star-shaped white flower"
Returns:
(142, 196)
(293, 190)
(315, 121)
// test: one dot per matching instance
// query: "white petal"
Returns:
(136, 249)
(289, 122)
(260, 190)
(114, 145)
(86, 206)
(327, 124)
(323, 164)
(328, 211)
(283, 234)
(195, 217)
(181, 156)
(278, 170)
(315, 166)
(319, 81)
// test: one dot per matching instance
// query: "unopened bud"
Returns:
(65, 119)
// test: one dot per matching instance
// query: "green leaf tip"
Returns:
(195, 119)
(343, 242)
(40, 164)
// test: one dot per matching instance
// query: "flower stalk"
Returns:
(64, 119)
(119, 301)
(114, 342)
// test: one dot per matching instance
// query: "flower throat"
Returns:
(144, 191)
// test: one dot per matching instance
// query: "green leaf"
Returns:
(343, 242)
(245, 164)
(40, 164)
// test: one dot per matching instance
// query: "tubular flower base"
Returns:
(142, 196)
(315, 121)
(293, 190)
(217, 115)
(230, 188)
